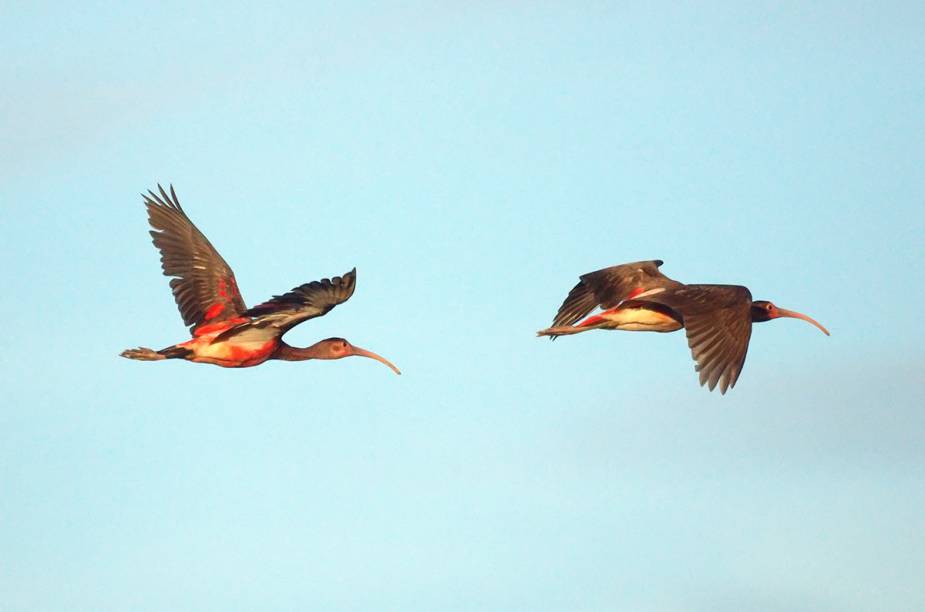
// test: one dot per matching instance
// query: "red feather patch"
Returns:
(214, 310)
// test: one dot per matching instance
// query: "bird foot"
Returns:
(142, 354)
(564, 330)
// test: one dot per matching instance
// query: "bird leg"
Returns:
(566, 330)
(145, 354)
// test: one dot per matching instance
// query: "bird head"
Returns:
(763, 310)
(338, 348)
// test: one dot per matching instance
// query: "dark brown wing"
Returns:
(719, 325)
(204, 286)
(304, 302)
(608, 287)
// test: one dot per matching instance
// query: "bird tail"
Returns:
(145, 354)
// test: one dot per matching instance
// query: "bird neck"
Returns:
(293, 353)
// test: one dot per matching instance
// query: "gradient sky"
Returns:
(471, 160)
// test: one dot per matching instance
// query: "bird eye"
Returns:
(769, 306)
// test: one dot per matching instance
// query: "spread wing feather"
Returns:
(610, 286)
(304, 302)
(203, 286)
(718, 322)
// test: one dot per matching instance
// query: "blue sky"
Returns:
(470, 161)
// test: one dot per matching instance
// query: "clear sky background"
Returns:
(471, 160)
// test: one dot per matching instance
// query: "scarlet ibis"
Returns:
(638, 297)
(225, 332)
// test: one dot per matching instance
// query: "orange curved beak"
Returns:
(781, 312)
(355, 350)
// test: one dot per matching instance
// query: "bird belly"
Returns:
(231, 353)
(640, 319)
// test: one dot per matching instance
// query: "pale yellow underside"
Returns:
(641, 319)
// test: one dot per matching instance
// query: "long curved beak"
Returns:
(781, 312)
(364, 353)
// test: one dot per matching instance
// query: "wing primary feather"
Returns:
(718, 323)
(202, 279)
(305, 302)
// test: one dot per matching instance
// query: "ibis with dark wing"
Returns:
(225, 332)
(638, 297)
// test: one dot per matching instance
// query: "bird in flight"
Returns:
(638, 297)
(225, 332)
